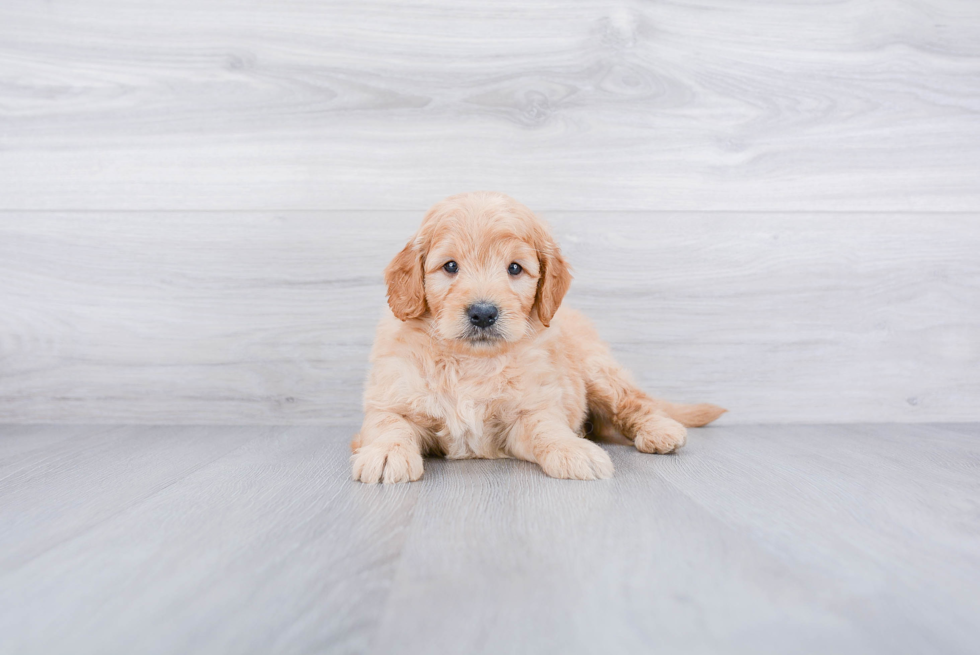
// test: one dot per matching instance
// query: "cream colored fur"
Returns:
(527, 394)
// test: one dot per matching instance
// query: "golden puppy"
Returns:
(477, 359)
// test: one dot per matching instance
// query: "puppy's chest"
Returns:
(472, 415)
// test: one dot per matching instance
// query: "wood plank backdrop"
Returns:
(264, 317)
(773, 206)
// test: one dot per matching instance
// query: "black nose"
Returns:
(482, 314)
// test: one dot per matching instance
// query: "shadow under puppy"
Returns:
(477, 358)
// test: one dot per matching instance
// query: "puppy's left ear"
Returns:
(406, 285)
(553, 283)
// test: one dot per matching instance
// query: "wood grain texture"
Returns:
(269, 317)
(759, 105)
(50, 497)
(268, 548)
(752, 539)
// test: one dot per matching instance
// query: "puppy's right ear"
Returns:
(406, 286)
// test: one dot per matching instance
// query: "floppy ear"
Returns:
(406, 286)
(553, 283)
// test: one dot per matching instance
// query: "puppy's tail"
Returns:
(693, 416)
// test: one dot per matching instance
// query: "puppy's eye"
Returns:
(451, 267)
(514, 269)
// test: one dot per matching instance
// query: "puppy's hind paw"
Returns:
(386, 462)
(576, 459)
(659, 434)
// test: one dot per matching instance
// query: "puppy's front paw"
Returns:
(387, 462)
(659, 434)
(576, 459)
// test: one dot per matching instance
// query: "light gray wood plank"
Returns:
(884, 516)
(64, 489)
(268, 317)
(761, 105)
(755, 539)
(22, 445)
(271, 548)
(502, 559)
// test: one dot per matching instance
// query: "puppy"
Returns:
(478, 359)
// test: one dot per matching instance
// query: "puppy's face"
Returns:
(482, 272)
(480, 283)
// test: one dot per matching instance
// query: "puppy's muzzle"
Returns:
(482, 314)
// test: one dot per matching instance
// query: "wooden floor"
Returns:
(754, 539)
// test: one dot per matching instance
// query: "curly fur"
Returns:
(530, 391)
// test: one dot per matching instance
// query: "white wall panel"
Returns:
(323, 105)
(219, 317)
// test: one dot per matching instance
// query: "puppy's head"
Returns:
(482, 270)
